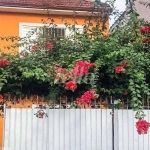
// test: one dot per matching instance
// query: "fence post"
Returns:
(113, 141)
(3, 136)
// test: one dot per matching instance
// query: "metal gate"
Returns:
(63, 129)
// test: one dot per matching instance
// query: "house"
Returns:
(139, 6)
(19, 17)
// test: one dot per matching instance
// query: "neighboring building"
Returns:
(143, 11)
(139, 7)
(20, 16)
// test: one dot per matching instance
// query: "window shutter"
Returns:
(28, 33)
(26, 29)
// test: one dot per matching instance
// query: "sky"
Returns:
(120, 5)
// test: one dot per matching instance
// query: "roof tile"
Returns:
(52, 4)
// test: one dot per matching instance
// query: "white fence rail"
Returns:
(63, 129)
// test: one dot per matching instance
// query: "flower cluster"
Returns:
(87, 97)
(4, 62)
(61, 74)
(48, 46)
(71, 85)
(121, 67)
(145, 29)
(35, 47)
(81, 68)
(142, 126)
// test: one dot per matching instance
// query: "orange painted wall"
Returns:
(1, 131)
(9, 24)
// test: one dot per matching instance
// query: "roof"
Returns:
(77, 5)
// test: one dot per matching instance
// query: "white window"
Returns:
(34, 30)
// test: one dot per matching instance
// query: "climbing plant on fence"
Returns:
(84, 65)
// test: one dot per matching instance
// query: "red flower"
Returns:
(142, 126)
(49, 46)
(81, 68)
(87, 97)
(1, 96)
(71, 85)
(4, 62)
(145, 29)
(35, 48)
(119, 69)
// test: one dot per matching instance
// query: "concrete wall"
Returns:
(143, 10)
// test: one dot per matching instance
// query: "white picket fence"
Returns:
(73, 129)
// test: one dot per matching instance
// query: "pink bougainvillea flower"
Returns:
(4, 62)
(87, 97)
(35, 47)
(119, 69)
(48, 46)
(81, 68)
(142, 126)
(145, 29)
(71, 85)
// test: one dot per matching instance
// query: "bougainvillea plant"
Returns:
(142, 126)
(117, 64)
(71, 85)
(87, 97)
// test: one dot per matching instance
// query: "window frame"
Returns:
(26, 24)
